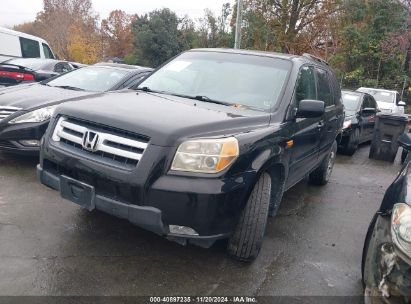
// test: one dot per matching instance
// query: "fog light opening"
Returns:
(30, 143)
(183, 230)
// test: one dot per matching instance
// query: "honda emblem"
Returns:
(90, 141)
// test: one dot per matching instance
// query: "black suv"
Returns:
(204, 149)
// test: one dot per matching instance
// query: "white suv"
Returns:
(388, 101)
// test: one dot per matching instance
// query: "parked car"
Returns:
(404, 152)
(388, 101)
(15, 44)
(22, 70)
(386, 263)
(206, 148)
(25, 110)
(360, 113)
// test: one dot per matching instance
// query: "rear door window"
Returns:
(29, 48)
(324, 89)
(306, 84)
(47, 52)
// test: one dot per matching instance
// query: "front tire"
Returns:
(321, 175)
(353, 142)
(404, 155)
(247, 239)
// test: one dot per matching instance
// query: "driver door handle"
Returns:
(320, 125)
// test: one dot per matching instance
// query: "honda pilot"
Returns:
(205, 148)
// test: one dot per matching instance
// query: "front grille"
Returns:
(7, 111)
(104, 187)
(101, 142)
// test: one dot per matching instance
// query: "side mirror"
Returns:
(405, 141)
(310, 108)
(401, 104)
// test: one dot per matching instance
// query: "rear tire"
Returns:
(247, 239)
(321, 175)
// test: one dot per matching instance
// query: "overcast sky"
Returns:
(18, 11)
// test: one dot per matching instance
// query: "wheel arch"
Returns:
(275, 164)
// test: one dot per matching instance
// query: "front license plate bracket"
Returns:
(80, 193)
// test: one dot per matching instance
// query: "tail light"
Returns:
(17, 75)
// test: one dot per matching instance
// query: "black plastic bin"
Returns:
(387, 129)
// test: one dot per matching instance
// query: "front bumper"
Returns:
(169, 201)
(11, 136)
(387, 271)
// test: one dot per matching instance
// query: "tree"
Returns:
(31, 28)
(56, 21)
(117, 35)
(82, 46)
(279, 24)
(374, 43)
(156, 37)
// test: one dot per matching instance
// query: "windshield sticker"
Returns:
(177, 66)
(385, 94)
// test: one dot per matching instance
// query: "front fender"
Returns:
(265, 148)
(399, 191)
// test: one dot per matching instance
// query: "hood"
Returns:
(386, 105)
(36, 95)
(164, 118)
(399, 191)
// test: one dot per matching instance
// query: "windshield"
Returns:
(253, 81)
(34, 64)
(381, 96)
(94, 79)
(351, 101)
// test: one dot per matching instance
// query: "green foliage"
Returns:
(374, 42)
(161, 35)
(131, 59)
(156, 37)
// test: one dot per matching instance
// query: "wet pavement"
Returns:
(313, 247)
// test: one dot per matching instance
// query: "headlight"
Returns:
(39, 115)
(206, 155)
(347, 124)
(401, 227)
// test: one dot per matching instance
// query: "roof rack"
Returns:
(315, 58)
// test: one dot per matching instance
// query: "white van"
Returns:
(17, 44)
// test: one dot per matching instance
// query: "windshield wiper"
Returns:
(69, 88)
(201, 98)
(148, 90)
(198, 97)
(208, 99)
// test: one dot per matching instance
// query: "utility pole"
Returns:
(237, 43)
(403, 88)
